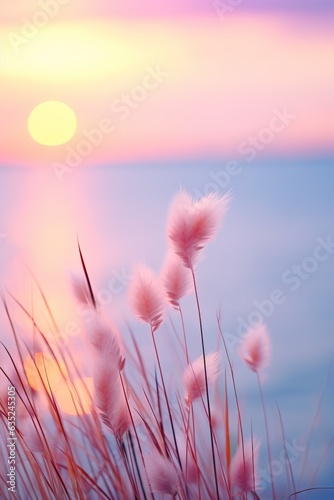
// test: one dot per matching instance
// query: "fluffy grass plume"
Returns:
(244, 467)
(162, 474)
(194, 377)
(176, 279)
(147, 297)
(193, 224)
(255, 348)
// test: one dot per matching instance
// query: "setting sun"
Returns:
(52, 123)
(43, 372)
(75, 398)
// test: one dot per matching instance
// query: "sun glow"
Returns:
(43, 372)
(75, 398)
(69, 52)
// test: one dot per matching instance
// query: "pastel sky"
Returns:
(174, 79)
(175, 8)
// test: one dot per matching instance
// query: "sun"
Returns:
(52, 123)
(75, 398)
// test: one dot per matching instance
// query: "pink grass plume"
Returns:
(80, 291)
(176, 279)
(243, 469)
(106, 340)
(110, 396)
(162, 475)
(193, 224)
(255, 349)
(189, 465)
(110, 392)
(194, 376)
(147, 297)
